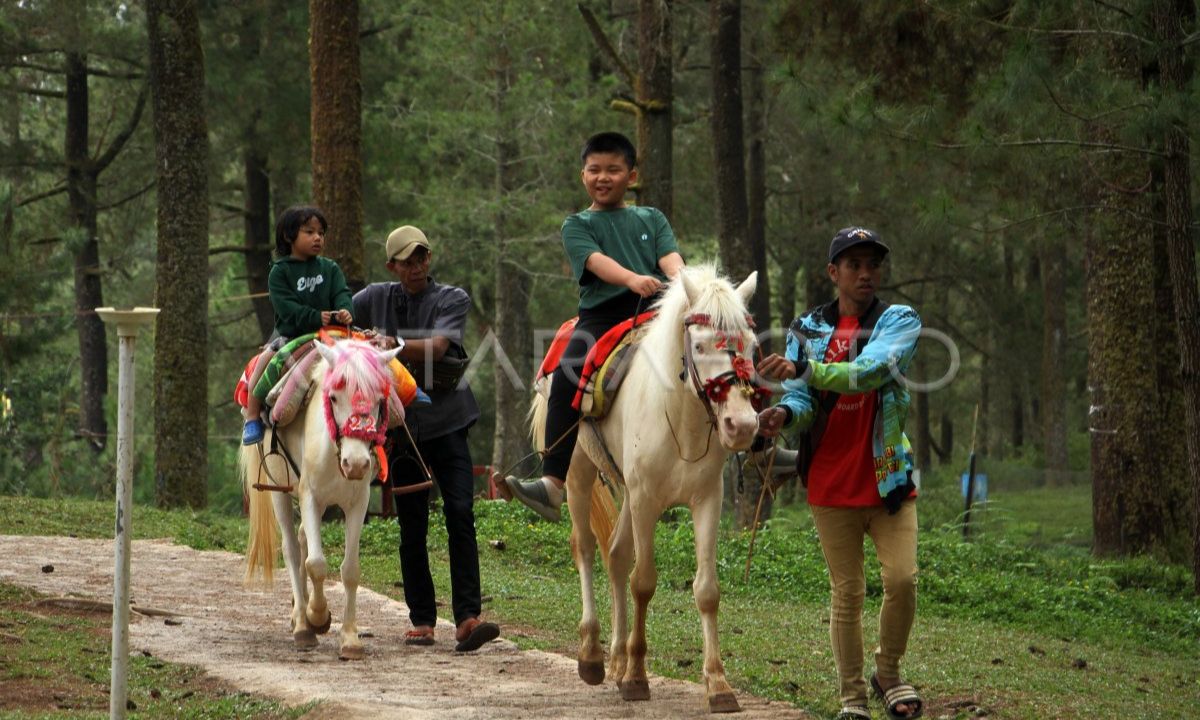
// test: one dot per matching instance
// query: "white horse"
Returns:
(334, 443)
(690, 381)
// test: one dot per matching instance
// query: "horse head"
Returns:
(355, 393)
(718, 354)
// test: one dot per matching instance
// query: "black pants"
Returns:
(449, 458)
(561, 418)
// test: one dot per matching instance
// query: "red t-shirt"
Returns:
(842, 473)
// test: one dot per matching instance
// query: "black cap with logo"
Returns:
(847, 238)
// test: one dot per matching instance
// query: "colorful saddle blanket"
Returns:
(603, 368)
(285, 384)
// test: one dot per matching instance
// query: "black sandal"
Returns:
(901, 694)
(853, 712)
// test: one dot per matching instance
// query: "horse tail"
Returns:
(262, 545)
(537, 413)
(603, 517)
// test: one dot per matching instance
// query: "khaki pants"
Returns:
(895, 536)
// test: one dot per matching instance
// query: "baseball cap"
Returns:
(847, 238)
(403, 241)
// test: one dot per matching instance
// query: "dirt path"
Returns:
(242, 637)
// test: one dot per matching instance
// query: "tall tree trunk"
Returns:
(737, 255)
(1016, 395)
(1174, 20)
(1129, 504)
(655, 94)
(181, 160)
(756, 191)
(982, 430)
(922, 445)
(736, 250)
(514, 335)
(257, 231)
(337, 130)
(785, 294)
(256, 186)
(81, 198)
(945, 449)
(1054, 379)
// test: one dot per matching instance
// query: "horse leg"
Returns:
(620, 563)
(292, 558)
(581, 480)
(317, 613)
(706, 516)
(636, 684)
(352, 648)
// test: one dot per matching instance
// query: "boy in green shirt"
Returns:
(620, 255)
(307, 292)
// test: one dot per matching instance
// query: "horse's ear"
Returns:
(386, 356)
(747, 288)
(327, 352)
(689, 287)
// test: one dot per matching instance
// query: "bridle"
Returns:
(367, 420)
(715, 390)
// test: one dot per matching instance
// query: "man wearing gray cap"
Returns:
(428, 320)
(843, 373)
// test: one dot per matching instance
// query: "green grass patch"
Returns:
(1024, 627)
(55, 664)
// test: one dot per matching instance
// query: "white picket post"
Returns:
(128, 323)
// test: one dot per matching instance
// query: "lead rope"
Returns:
(766, 487)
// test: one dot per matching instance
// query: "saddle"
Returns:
(604, 368)
(286, 384)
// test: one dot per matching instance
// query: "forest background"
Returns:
(1028, 162)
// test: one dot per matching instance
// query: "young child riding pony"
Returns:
(620, 255)
(307, 292)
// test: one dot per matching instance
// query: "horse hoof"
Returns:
(723, 703)
(305, 639)
(354, 652)
(591, 671)
(324, 626)
(634, 689)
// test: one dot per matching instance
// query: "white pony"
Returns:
(690, 381)
(334, 443)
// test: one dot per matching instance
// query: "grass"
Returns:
(1020, 621)
(55, 664)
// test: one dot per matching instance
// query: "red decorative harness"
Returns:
(362, 423)
(715, 390)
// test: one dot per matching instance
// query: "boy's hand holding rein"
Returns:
(644, 285)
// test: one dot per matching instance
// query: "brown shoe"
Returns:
(472, 633)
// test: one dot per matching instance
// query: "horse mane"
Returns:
(358, 370)
(716, 297)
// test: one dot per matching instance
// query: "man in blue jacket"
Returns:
(843, 373)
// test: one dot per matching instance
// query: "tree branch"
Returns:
(229, 249)
(33, 91)
(605, 46)
(58, 190)
(1114, 8)
(1084, 118)
(368, 32)
(122, 137)
(127, 198)
(97, 72)
(228, 207)
(1036, 142)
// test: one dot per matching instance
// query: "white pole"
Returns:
(128, 322)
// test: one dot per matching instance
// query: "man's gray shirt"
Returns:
(437, 310)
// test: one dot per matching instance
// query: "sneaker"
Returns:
(534, 494)
(252, 432)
